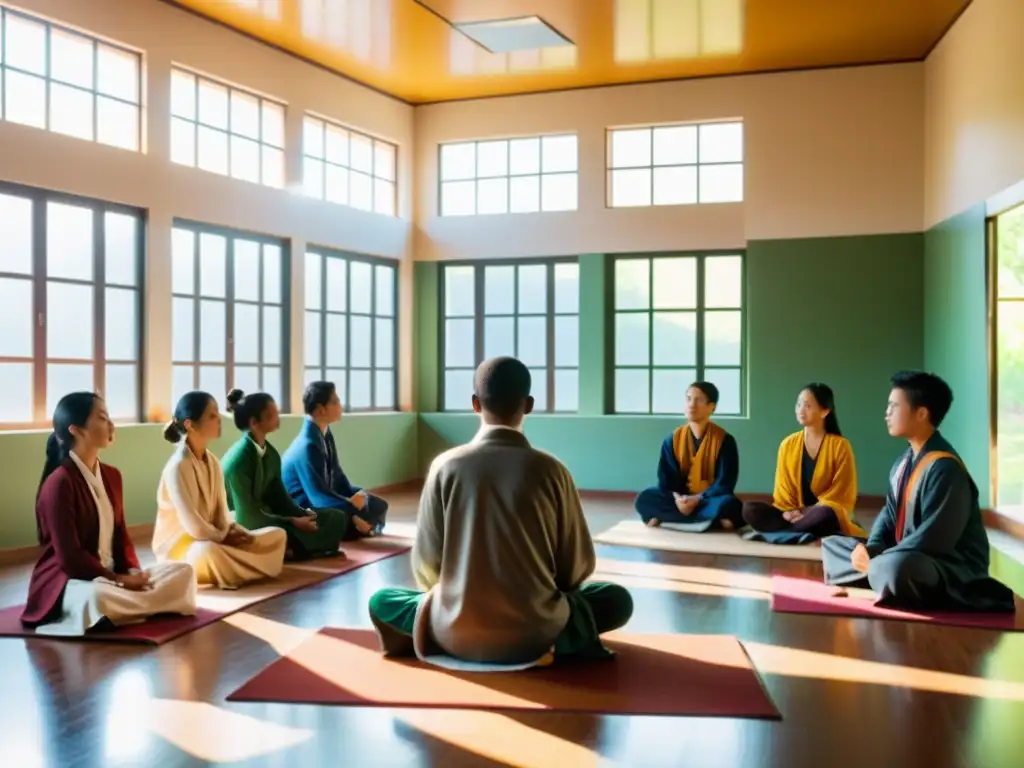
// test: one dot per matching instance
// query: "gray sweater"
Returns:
(501, 538)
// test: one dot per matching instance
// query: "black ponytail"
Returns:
(72, 410)
(827, 401)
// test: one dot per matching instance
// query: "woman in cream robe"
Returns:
(192, 522)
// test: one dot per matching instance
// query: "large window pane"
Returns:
(228, 131)
(348, 168)
(337, 341)
(183, 344)
(567, 390)
(212, 331)
(675, 165)
(69, 241)
(359, 352)
(360, 283)
(668, 389)
(693, 328)
(458, 390)
(632, 390)
(122, 326)
(122, 391)
(69, 321)
(515, 318)
(15, 234)
(247, 333)
(509, 176)
(17, 318)
(121, 248)
(63, 378)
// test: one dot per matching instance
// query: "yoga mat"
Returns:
(796, 595)
(214, 604)
(633, 533)
(681, 675)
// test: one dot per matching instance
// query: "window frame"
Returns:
(196, 124)
(480, 316)
(508, 176)
(48, 79)
(199, 228)
(610, 169)
(374, 178)
(40, 279)
(325, 253)
(702, 371)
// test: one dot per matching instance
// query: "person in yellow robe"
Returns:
(815, 479)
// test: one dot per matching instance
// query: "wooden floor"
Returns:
(851, 692)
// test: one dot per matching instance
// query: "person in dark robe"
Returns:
(927, 549)
(312, 473)
(697, 471)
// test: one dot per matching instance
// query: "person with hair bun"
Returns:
(256, 493)
(815, 479)
(312, 472)
(697, 471)
(88, 576)
(192, 523)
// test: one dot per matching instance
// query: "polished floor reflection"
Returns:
(851, 692)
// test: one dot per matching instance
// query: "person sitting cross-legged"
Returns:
(502, 551)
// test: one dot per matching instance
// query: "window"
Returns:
(678, 319)
(509, 176)
(351, 327)
(347, 167)
(222, 129)
(69, 83)
(228, 316)
(70, 304)
(675, 165)
(527, 309)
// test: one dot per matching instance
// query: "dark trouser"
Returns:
(656, 504)
(907, 579)
(610, 604)
(819, 520)
(324, 541)
(374, 511)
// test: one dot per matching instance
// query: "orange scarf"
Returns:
(904, 501)
(698, 466)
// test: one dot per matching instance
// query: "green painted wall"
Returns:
(847, 311)
(377, 449)
(955, 335)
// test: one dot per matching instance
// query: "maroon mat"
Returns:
(215, 604)
(682, 675)
(796, 595)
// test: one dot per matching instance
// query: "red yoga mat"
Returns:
(681, 675)
(795, 595)
(215, 604)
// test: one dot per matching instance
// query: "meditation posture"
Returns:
(502, 550)
(815, 479)
(927, 549)
(697, 471)
(192, 522)
(252, 474)
(312, 473)
(88, 575)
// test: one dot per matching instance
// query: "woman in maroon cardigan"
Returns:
(88, 576)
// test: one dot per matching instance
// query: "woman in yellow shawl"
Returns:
(697, 471)
(815, 479)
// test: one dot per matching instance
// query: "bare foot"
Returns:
(727, 525)
(363, 527)
(653, 522)
(840, 592)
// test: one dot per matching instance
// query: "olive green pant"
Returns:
(595, 608)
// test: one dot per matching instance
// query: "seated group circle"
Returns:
(502, 565)
(221, 523)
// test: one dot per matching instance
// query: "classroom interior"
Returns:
(371, 196)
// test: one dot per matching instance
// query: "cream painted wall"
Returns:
(974, 97)
(828, 153)
(164, 35)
